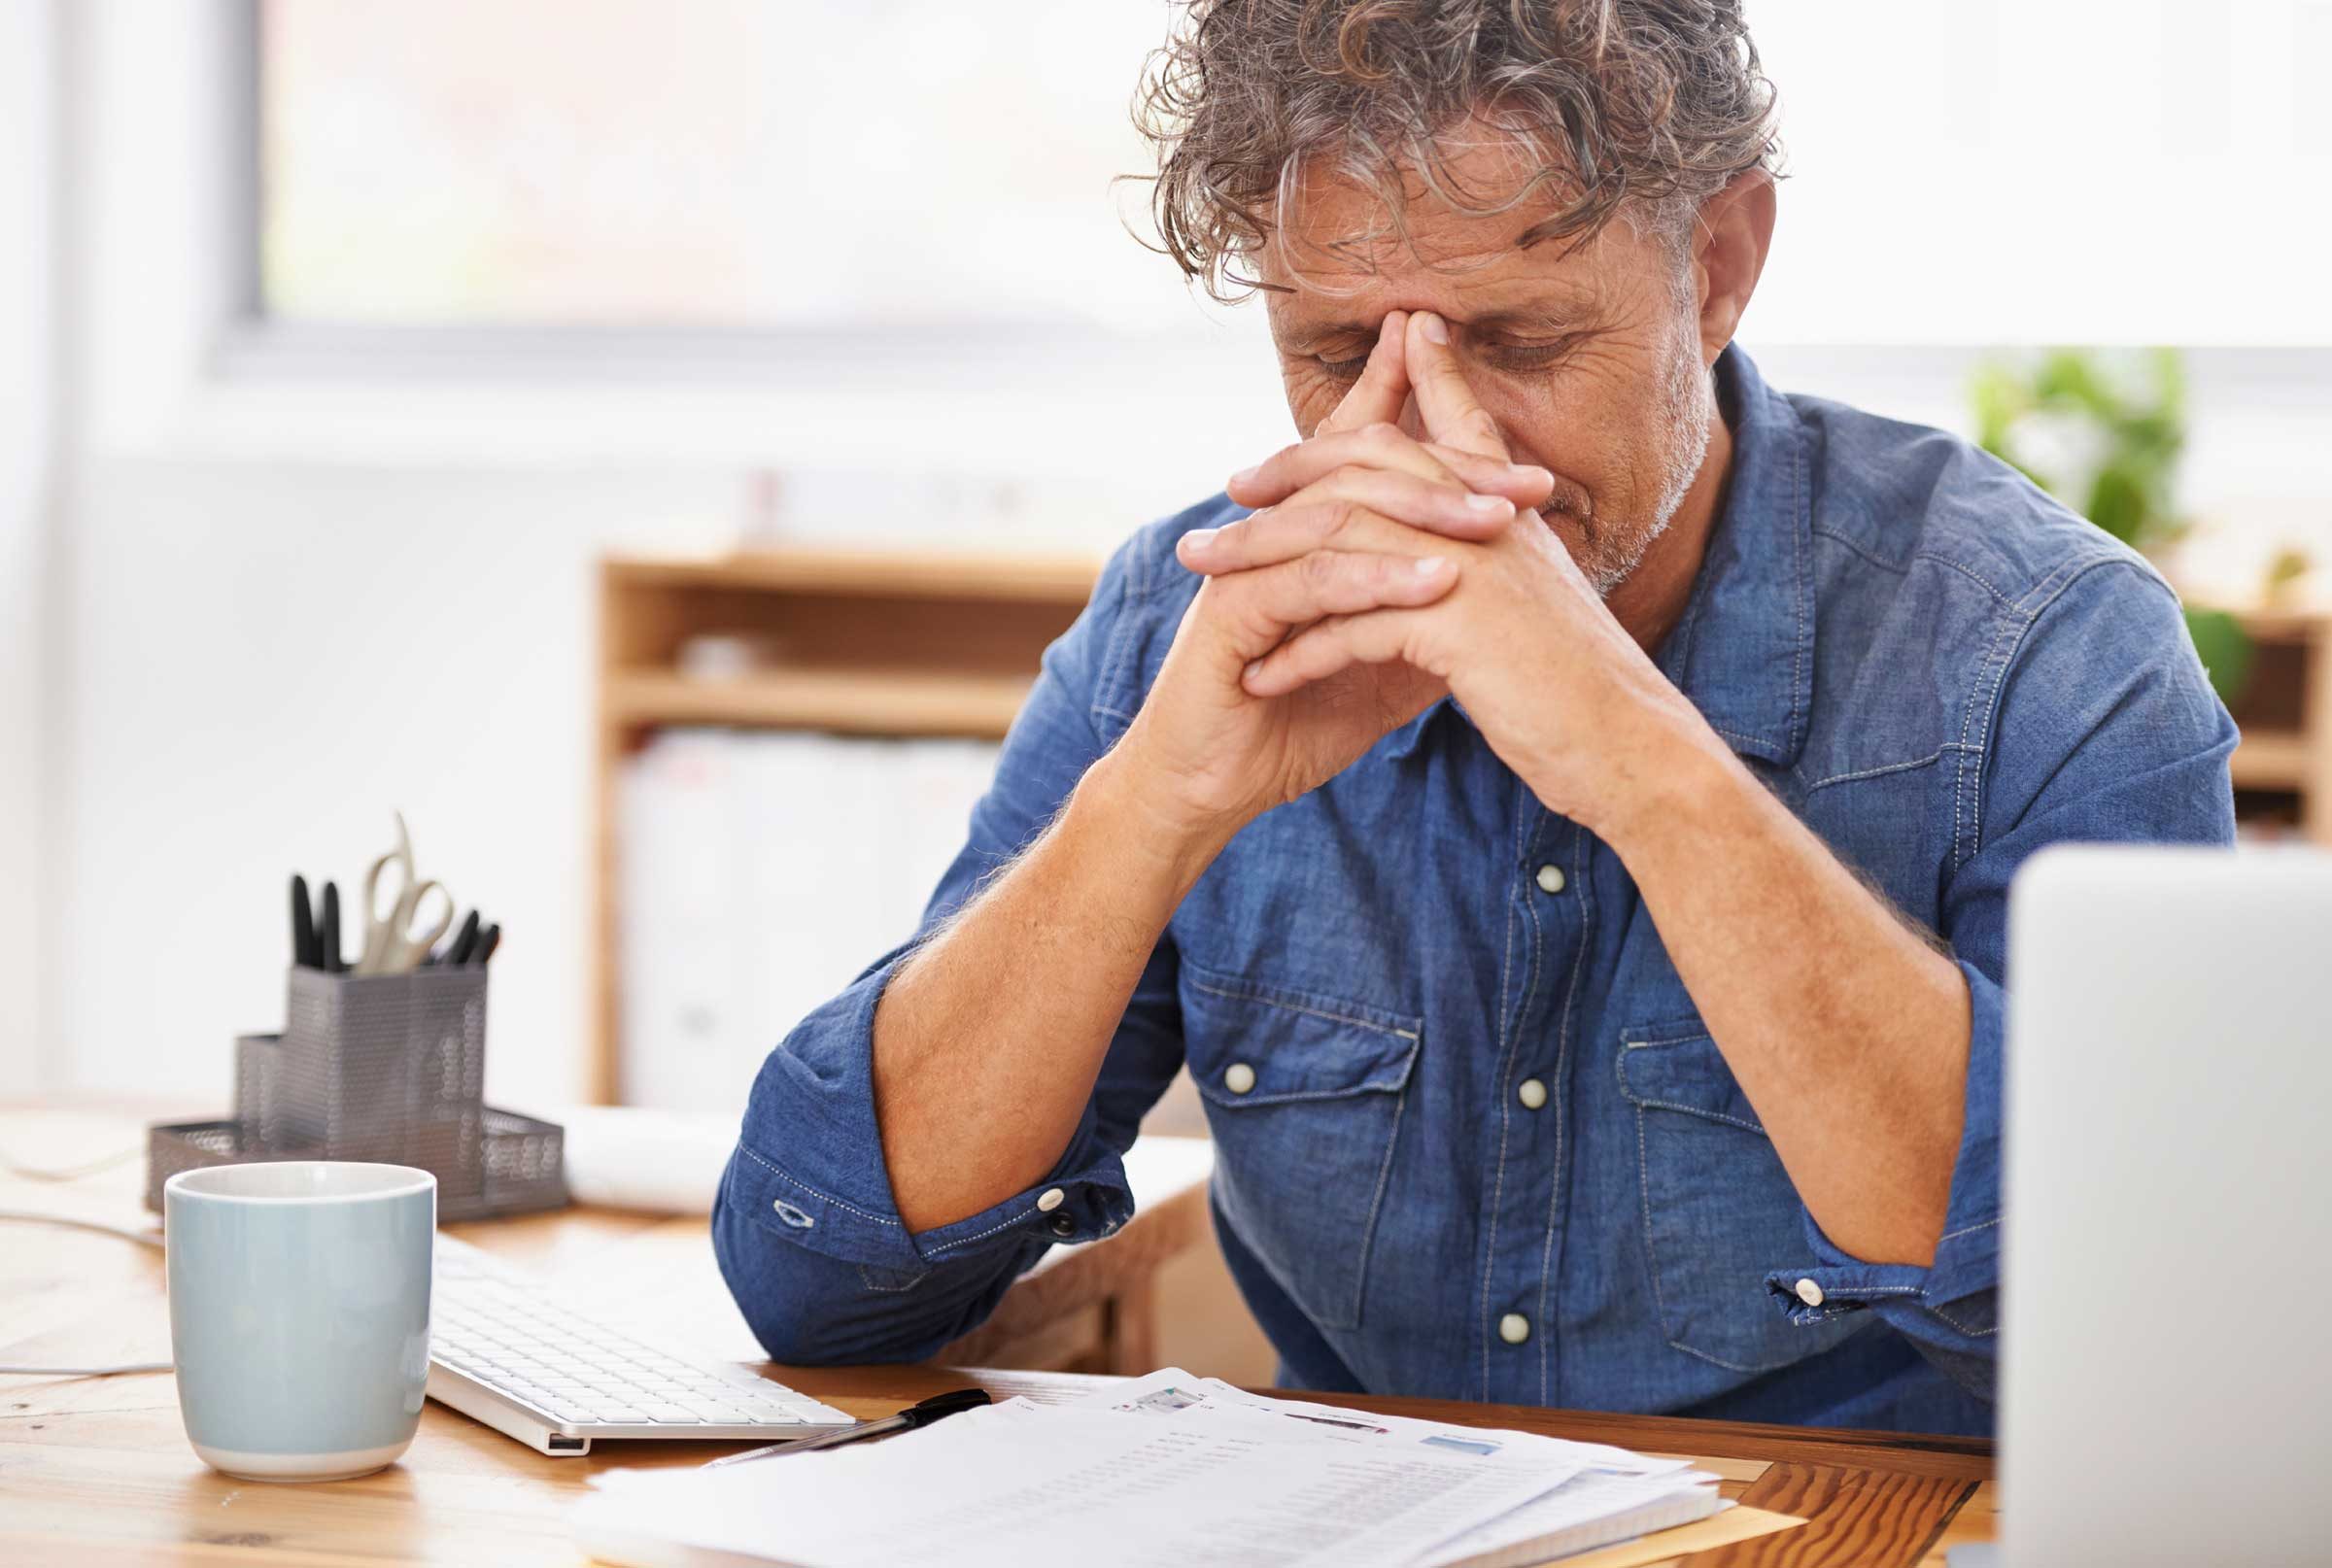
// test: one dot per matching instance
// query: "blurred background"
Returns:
(385, 387)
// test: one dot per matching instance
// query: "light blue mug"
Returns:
(299, 1313)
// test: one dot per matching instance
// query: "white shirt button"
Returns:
(1238, 1078)
(1550, 879)
(1809, 1292)
(1514, 1328)
(1050, 1199)
(1532, 1093)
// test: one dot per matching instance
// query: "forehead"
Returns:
(1342, 259)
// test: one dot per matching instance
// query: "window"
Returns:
(810, 167)
(2018, 171)
(1998, 171)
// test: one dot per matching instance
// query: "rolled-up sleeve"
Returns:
(805, 1227)
(2105, 730)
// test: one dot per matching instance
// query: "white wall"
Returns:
(28, 424)
(263, 665)
(294, 606)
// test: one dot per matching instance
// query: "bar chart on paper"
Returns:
(763, 873)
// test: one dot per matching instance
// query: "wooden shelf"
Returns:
(2271, 760)
(858, 643)
(865, 702)
(941, 575)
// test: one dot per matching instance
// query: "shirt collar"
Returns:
(1743, 649)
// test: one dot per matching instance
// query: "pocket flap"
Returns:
(1259, 1045)
(1677, 1067)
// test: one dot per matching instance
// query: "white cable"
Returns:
(141, 1238)
(71, 1172)
(24, 1216)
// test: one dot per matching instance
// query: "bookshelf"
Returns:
(2282, 769)
(933, 643)
(850, 641)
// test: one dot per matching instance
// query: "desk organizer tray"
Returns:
(385, 1067)
(524, 1160)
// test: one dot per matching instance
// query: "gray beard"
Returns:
(1687, 400)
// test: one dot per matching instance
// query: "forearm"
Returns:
(1848, 1028)
(987, 1043)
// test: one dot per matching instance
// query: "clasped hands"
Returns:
(1378, 572)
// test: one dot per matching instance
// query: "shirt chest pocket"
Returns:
(1305, 1094)
(1718, 1211)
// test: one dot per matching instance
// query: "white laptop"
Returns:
(2167, 1344)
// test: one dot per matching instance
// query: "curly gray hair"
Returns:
(1635, 106)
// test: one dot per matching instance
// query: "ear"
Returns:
(1731, 236)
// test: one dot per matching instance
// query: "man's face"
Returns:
(1590, 359)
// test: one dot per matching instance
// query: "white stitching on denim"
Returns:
(1368, 1227)
(1119, 655)
(1874, 772)
(1967, 1229)
(1643, 1189)
(1708, 1115)
(1806, 589)
(1296, 1097)
(1563, 1053)
(1735, 734)
(1651, 1037)
(2053, 587)
(1965, 571)
(1720, 1361)
(825, 1198)
(1528, 815)
(981, 1236)
(1237, 994)
(1959, 791)
(1855, 547)
(1959, 1327)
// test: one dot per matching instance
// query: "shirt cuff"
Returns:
(1956, 1297)
(809, 1161)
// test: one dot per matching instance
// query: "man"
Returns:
(1562, 809)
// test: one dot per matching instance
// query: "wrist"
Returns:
(1665, 779)
(1126, 800)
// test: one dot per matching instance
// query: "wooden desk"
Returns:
(97, 1472)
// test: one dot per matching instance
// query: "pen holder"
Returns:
(382, 1067)
(387, 1067)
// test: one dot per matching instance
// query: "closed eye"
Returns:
(1528, 357)
(1341, 369)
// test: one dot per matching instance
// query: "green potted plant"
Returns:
(2102, 431)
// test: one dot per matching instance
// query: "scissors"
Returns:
(392, 943)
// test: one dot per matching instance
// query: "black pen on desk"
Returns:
(937, 1408)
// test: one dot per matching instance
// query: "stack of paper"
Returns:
(1160, 1473)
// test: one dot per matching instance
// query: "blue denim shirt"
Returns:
(1937, 668)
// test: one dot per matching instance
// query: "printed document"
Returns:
(1158, 1473)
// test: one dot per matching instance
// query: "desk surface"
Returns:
(97, 1472)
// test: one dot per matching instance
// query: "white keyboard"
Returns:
(505, 1352)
